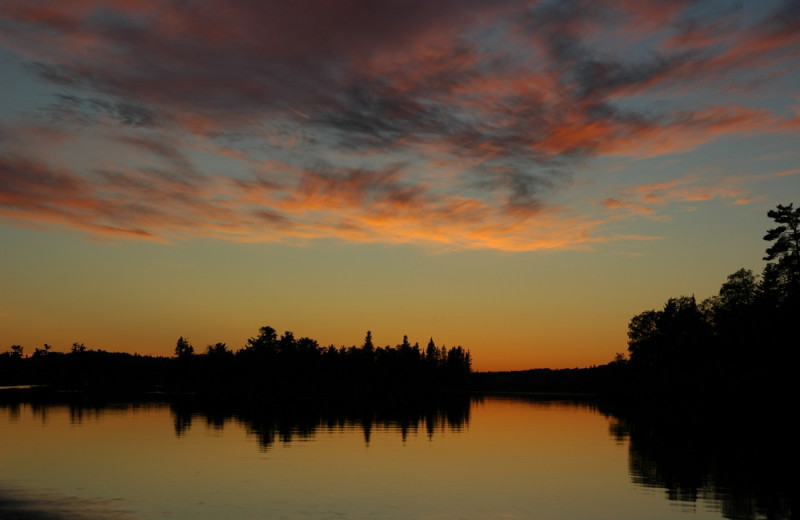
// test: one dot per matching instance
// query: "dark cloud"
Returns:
(147, 204)
(216, 56)
(237, 64)
(506, 98)
(168, 149)
(58, 74)
(357, 186)
(559, 27)
(76, 109)
(271, 217)
(597, 78)
(130, 114)
(21, 179)
(523, 186)
(378, 115)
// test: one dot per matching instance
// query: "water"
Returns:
(491, 458)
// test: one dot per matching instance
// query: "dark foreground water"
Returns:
(490, 458)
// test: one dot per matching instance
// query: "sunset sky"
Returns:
(516, 177)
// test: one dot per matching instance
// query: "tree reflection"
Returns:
(289, 422)
(78, 407)
(736, 460)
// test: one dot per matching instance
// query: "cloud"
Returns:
(142, 204)
(87, 111)
(33, 192)
(452, 123)
(647, 199)
(357, 205)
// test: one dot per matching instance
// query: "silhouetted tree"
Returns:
(458, 361)
(183, 349)
(265, 343)
(738, 293)
(786, 248)
(669, 338)
(431, 353)
(267, 368)
(368, 345)
(735, 343)
(39, 352)
(286, 345)
(643, 339)
(772, 288)
(778, 295)
(735, 300)
(218, 350)
(307, 347)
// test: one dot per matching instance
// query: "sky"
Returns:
(516, 177)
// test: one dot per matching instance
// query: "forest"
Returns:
(267, 366)
(735, 345)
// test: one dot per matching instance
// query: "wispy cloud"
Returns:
(440, 123)
(649, 199)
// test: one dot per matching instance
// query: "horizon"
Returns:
(519, 179)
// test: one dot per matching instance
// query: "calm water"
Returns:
(482, 459)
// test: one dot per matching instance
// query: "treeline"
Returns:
(735, 344)
(267, 366)
(573, 381)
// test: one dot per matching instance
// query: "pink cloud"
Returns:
(644, 198)
(147, 206)
(449, 123)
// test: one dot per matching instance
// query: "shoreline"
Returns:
(21, 504)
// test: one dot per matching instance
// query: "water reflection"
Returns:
(294, 422)
(735, 464)
(276, 422)
(737, 460)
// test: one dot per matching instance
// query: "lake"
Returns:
(466, 458)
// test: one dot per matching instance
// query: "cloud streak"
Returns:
(452, 124)
(355, 205)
